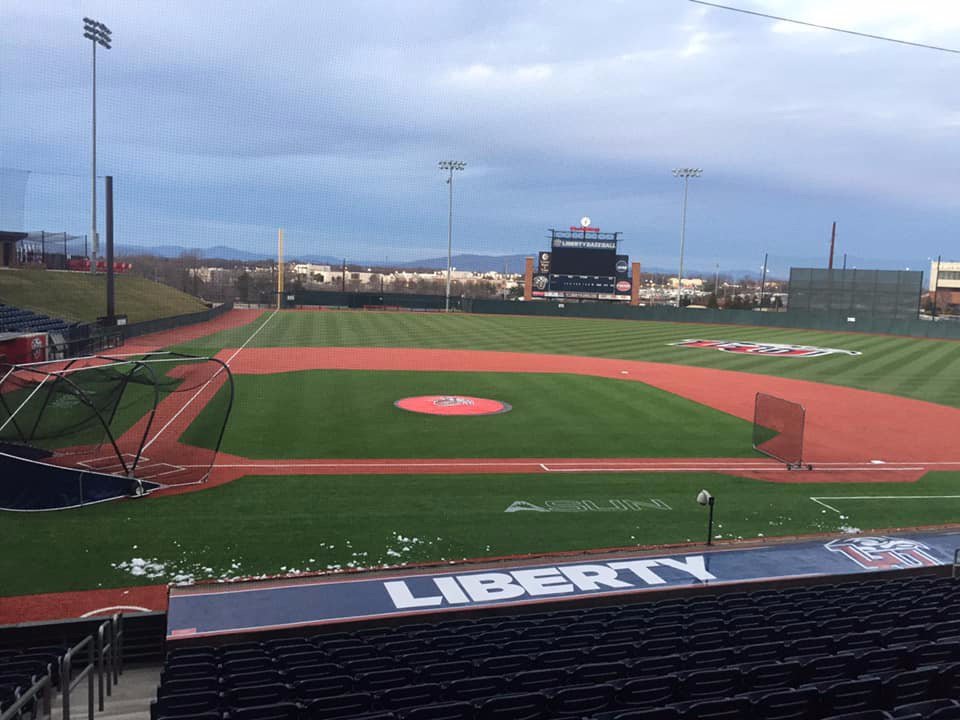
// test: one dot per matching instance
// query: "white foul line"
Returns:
(819, 500)
(204, 386)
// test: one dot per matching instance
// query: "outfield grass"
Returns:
(917, 368)
(80, 296)
(275, 525)
(350, 414)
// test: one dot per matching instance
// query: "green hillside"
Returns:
(81, 296)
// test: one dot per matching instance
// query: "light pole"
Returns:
(450, 165)
(98, 34)
(686, 174)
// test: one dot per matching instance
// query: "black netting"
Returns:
(117, 415)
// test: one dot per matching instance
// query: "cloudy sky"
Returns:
(222, 121)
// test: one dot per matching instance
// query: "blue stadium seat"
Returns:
(476, 688)
(336, 706)
(256, 695)
(442, 711)
(851, 696)
(800, 704)
(517, 706)
(921, 710)
(650, 691)
(599, 672)
(771, 676)
(324, 686)
(909, 687)
(719, 682)
(722, 709)
(581, 700)
(533, 680)
(446, 671)
(410, 696)
(185, 704)
(278, 711)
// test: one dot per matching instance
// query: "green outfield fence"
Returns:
(374, 300)
(175, 321)
(794, 319)
(799, 319)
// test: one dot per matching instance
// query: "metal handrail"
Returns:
(109, 655)
(43, 685)
(956, 563)
(69, 683)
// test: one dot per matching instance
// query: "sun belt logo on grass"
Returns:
(883, 553)
(745, 347)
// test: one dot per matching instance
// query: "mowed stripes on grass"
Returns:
(351, 414)
(922, 369)
(285, 524)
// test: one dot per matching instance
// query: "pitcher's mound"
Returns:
(452, 405)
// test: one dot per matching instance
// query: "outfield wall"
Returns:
(661, 313)
(169, 323)
(367, 299)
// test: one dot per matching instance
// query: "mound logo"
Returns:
(745, 347)
(452, 405)
(884, 553)
(452, 401)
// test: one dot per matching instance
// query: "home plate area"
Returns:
(146, 470)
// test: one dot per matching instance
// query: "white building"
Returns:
(948, 278)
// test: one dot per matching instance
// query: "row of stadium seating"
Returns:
(13, 319)
(20, 668)
(788, 654)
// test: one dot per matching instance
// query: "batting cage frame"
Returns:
(778, 429)
(75, 432)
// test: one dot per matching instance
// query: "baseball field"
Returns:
(611, 430)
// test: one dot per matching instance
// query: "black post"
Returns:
(936, 288)
(343, 277)
(43, 247)
(844, 261)
(109, 220)
(710, 521)
(763, 279)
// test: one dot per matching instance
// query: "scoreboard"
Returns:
(582, 263)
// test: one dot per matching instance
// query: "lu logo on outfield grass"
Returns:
(745, 347)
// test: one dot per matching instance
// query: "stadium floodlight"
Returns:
(450, 166)
(98, 34)
(686, 174)
(705, 498)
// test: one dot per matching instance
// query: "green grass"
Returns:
(81, 296)
(267, 525)
(917, 368)
(350, 414)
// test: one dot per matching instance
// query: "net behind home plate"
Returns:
(119, 415)
(778, 429)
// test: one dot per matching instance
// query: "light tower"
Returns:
(686, 174)
(450, 166)
(98, 34)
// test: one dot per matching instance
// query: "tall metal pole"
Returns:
(686, 174)
(716, 281)
(450, 165)
(98, 34)
(683, 230)
(936, 289)
(108, 212)
(95, 245)
(449, 239)
(763, 279)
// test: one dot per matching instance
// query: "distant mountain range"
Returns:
(471, 262)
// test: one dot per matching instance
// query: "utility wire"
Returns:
(825, 27)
